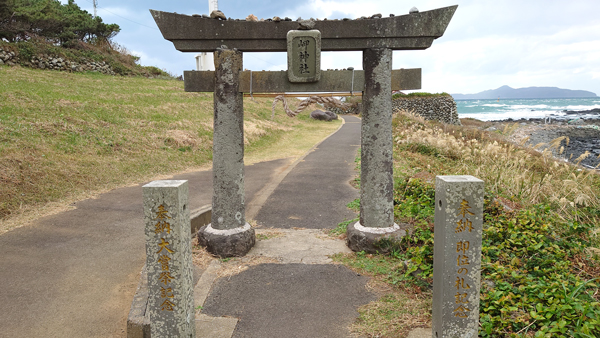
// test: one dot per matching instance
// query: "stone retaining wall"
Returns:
(438, 108)
(45, 61)
(355, 109)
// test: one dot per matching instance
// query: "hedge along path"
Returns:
(307, 102)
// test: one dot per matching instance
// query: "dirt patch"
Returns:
(267, 234)
(181, 138)
(236, 265)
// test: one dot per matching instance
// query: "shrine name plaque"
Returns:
(304, 55)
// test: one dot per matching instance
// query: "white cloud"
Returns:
(488, 43)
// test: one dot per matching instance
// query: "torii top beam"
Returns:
(406, 32)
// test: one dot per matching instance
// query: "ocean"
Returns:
(504, 109)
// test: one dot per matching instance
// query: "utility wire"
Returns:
(137, 23)
(261, 59)
(121, 16)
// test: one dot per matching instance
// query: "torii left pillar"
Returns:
(228, 234)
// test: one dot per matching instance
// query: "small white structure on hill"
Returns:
(202, 59)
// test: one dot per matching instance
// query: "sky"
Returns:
(488, 43)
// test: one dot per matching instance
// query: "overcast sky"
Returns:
(489, 43)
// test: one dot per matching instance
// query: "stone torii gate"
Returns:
(229, 234)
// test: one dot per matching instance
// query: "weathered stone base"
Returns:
(360, 238)
(227, 243)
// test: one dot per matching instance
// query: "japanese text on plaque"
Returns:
(303, 55)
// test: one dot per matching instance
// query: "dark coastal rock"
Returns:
(591, 111)
(582, 138)
(577, 122)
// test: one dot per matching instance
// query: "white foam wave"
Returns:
(518, 109)
(494, 105)
(581, 107)
(525, 106)
(511, 114)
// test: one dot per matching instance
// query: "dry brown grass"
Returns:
(65, 136)
(266, 234)
(200, 257)
(395, 314)
(509, 170)
(229, 266)
(397, 309)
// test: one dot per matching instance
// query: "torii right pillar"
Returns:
(376, 175)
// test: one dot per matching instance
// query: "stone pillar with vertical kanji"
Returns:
(457, 256)
(169, 259)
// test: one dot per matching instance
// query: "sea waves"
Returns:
(488, 110)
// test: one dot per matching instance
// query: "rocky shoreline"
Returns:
(581, 127)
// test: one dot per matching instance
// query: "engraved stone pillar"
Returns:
(457, 256)
(376, 177)
(228, 234)
(169, 259)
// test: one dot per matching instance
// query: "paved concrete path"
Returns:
(74, 274)
(290, 300)
(310, 299)
(315, 193)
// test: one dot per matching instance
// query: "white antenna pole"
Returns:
(202, 58)
(213, 5)
(95, 4)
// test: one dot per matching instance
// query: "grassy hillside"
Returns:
(66, 136)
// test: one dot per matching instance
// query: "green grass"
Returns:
(340, 229)
(354, 205)
(67, 136)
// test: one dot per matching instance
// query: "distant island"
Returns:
(506, 92)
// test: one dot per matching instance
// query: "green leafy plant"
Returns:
(354, 205)
(342, 227)
(534, 279)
